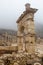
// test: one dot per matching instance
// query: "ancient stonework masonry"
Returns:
(22, 49)
(26, 31)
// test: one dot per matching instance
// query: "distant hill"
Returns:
(12, 32)
(39, 29)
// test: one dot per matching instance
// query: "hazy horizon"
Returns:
(10, 10)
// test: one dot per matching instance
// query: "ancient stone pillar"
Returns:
(26, 29)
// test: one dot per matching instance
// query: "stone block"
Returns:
(20, 47)
(15, 63)
(30, 48)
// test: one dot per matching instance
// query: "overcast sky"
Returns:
(10, 10)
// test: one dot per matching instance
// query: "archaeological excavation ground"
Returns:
(22, 47)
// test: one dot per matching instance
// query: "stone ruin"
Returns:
(25, 50)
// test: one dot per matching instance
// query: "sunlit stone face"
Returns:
(16, 63)
(37, 63)
(1, 63)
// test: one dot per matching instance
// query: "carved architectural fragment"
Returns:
(22, 49)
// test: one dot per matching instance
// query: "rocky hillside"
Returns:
(12, 32)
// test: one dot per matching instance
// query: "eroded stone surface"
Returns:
(21, 49)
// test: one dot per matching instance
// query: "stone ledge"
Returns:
(8, 48)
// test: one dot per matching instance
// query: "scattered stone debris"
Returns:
(21, 49)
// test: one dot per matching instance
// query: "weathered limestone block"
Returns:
(25, 18)
(29, 16)
(15, 63)
(23, 46)
(8, 48)
(26, 39)
(32, 27)
(30, 48)
(31, 40)
(20, 39)
(19, 33)
(30, 24)
(37, 63)
(20, 46)
(27, 47)
(32, 31)
(25, 30)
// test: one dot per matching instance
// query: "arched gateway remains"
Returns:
(24, 52)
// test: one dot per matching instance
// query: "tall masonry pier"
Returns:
(26, 31)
